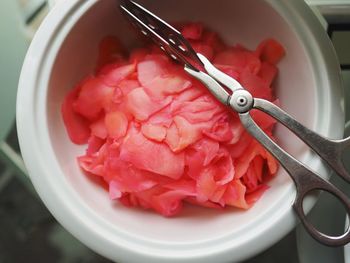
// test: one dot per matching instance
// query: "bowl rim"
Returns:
(35, 74)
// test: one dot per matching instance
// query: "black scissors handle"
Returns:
(305, 179)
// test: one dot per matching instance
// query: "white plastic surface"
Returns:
(64, 50)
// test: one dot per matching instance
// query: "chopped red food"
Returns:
(159, 139)
(192, 31)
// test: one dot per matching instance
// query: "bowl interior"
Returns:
(241, 21)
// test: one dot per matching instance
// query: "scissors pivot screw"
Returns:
(242, 101)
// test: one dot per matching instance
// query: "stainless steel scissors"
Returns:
(229, 92)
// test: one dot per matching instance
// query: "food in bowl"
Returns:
(158, 138)
(65, 50)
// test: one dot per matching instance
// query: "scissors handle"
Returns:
(304, 178)
(331, 151)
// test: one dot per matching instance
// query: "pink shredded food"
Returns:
(158, 138)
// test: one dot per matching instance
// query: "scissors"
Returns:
(232, 94)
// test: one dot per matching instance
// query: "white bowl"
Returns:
(64, 50)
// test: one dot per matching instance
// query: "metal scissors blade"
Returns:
(213, 78)
(164, 35)
(213, 86)
(220, 76)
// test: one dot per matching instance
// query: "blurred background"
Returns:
(28, 232)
